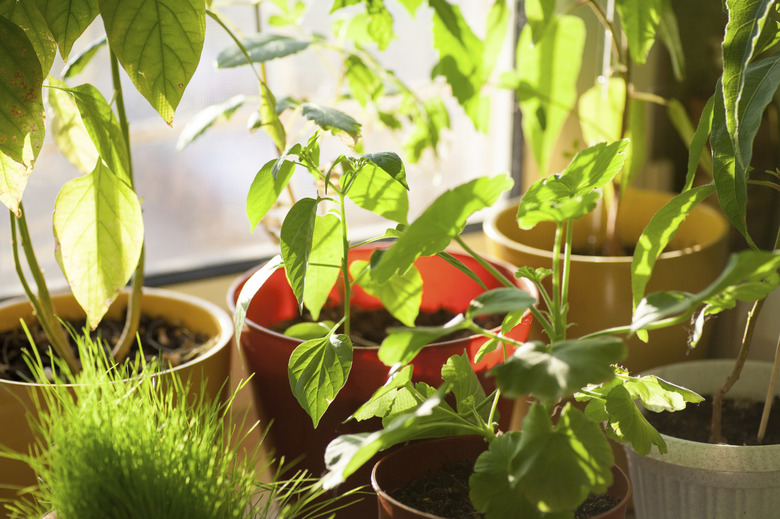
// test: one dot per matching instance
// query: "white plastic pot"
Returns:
(699, 480)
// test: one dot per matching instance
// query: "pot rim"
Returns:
(491, 230)
(523, 283)
(223, 321)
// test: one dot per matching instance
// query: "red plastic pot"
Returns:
(267, 354)
(416, 460)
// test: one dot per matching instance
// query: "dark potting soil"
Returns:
(369, 327)
(170, 342)
(446, 494)
(741, 419)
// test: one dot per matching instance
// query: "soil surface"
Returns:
(369, 327)
(446, 494)
(172, 343)
(741, 419)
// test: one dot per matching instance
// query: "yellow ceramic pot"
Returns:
(600, 286)
(15, 397)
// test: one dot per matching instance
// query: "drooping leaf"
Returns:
(403, 344)
(21, 112)
(318, 369)
(158, 42)
(444, 219)
(376, 191)
(696, 153)
(382, 401)
(400, 295)
(669, 32)
(640, 20)
(324, 262)
(391, 164)
(500, 301)
(69, 131)
(296, 237)
(76, 65)
(626, 423)
(455, 262)
(248, 291)
(331, 119)
(68, 20)
(99, 232)
(206, 119)
(266, 188)
(27, 17)
(261, 48)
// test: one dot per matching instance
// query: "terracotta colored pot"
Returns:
(419, 459)
(267, 353)
(600, 287)
(15, 397)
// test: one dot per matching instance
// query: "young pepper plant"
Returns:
(560, 456)
(315, 249)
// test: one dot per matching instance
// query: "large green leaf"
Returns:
(364, 84)
(265, 189)
(67, 20)
(327, 251)
(69, 131)
(261, 48)
(158, 42)
(27, 16)
(400, 295)
(296, 236)
(627, 422)
(376, 191)
(403, 344)
(99, 232)
(538, 14)
(601, 109)
(466, 387)
(103, 127)
(331, 119)
(639, 19)
(572, 194)
(547, 73)
(554, 371)
(444, 219)
(21, 112)
(318, 369)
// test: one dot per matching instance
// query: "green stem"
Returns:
(345, 263)
(486, 264)
(565, 272)
(133, 317)
(559, 325)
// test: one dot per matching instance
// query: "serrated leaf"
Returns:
(364, 84)
(627, 424)
(69, 131)
(376, 191)
(466, 387)
(444, 219)
(400, 295)
(296, 242)
(381, 401)
(77, 64)
(27, 17)
(158, 42)
(331, 119)
(266, 188)
(403, 344)
(261, 48)
(248, 291)
(640, 20)
(99, 232)
(318, 369)
(500, 301)
(68, 20)
(554, 371)
(206, 118)
(327, 251)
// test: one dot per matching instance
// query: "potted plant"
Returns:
(719, 475)
(561, 454)
(115, 441)
(97, 217)
(546, 80)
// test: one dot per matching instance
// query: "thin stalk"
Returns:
(133, 317)
(486, 264)
(42, 305)
(345, 262)
(770, 396)
(555, 310)
(565, 272)
(493, 408)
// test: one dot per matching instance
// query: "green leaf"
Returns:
(206, 118)
(455, 262)
(500, 301)
(104, 130)
(76, 65)
(69, 131)
(68, 20)
(444, 219)
(158, 42)
(466, 387)
(547, 72)
(364, 84)
(248, 291)
(400, 295)
(381, 402)
(659, 232)
(391, 164)
(696, 153)
(669, 33)
(538, 14)
(554, 371)
(403, 344)
(376, 191)
(268, 184)
(269, 117)
(309, 331)
(296, 235)
(639, 19)
(99, 232)
(27, 16)
(325, 259)
(572, 194)
(21, 112)
(318, 369)
(331, 119)
(261, 48)
(601, 109)
(627, 424)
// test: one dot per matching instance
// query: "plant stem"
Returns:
(486, 264)
(770, 396)
(559, 325)
(133, 317)
(42, 305)
(345, 262)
